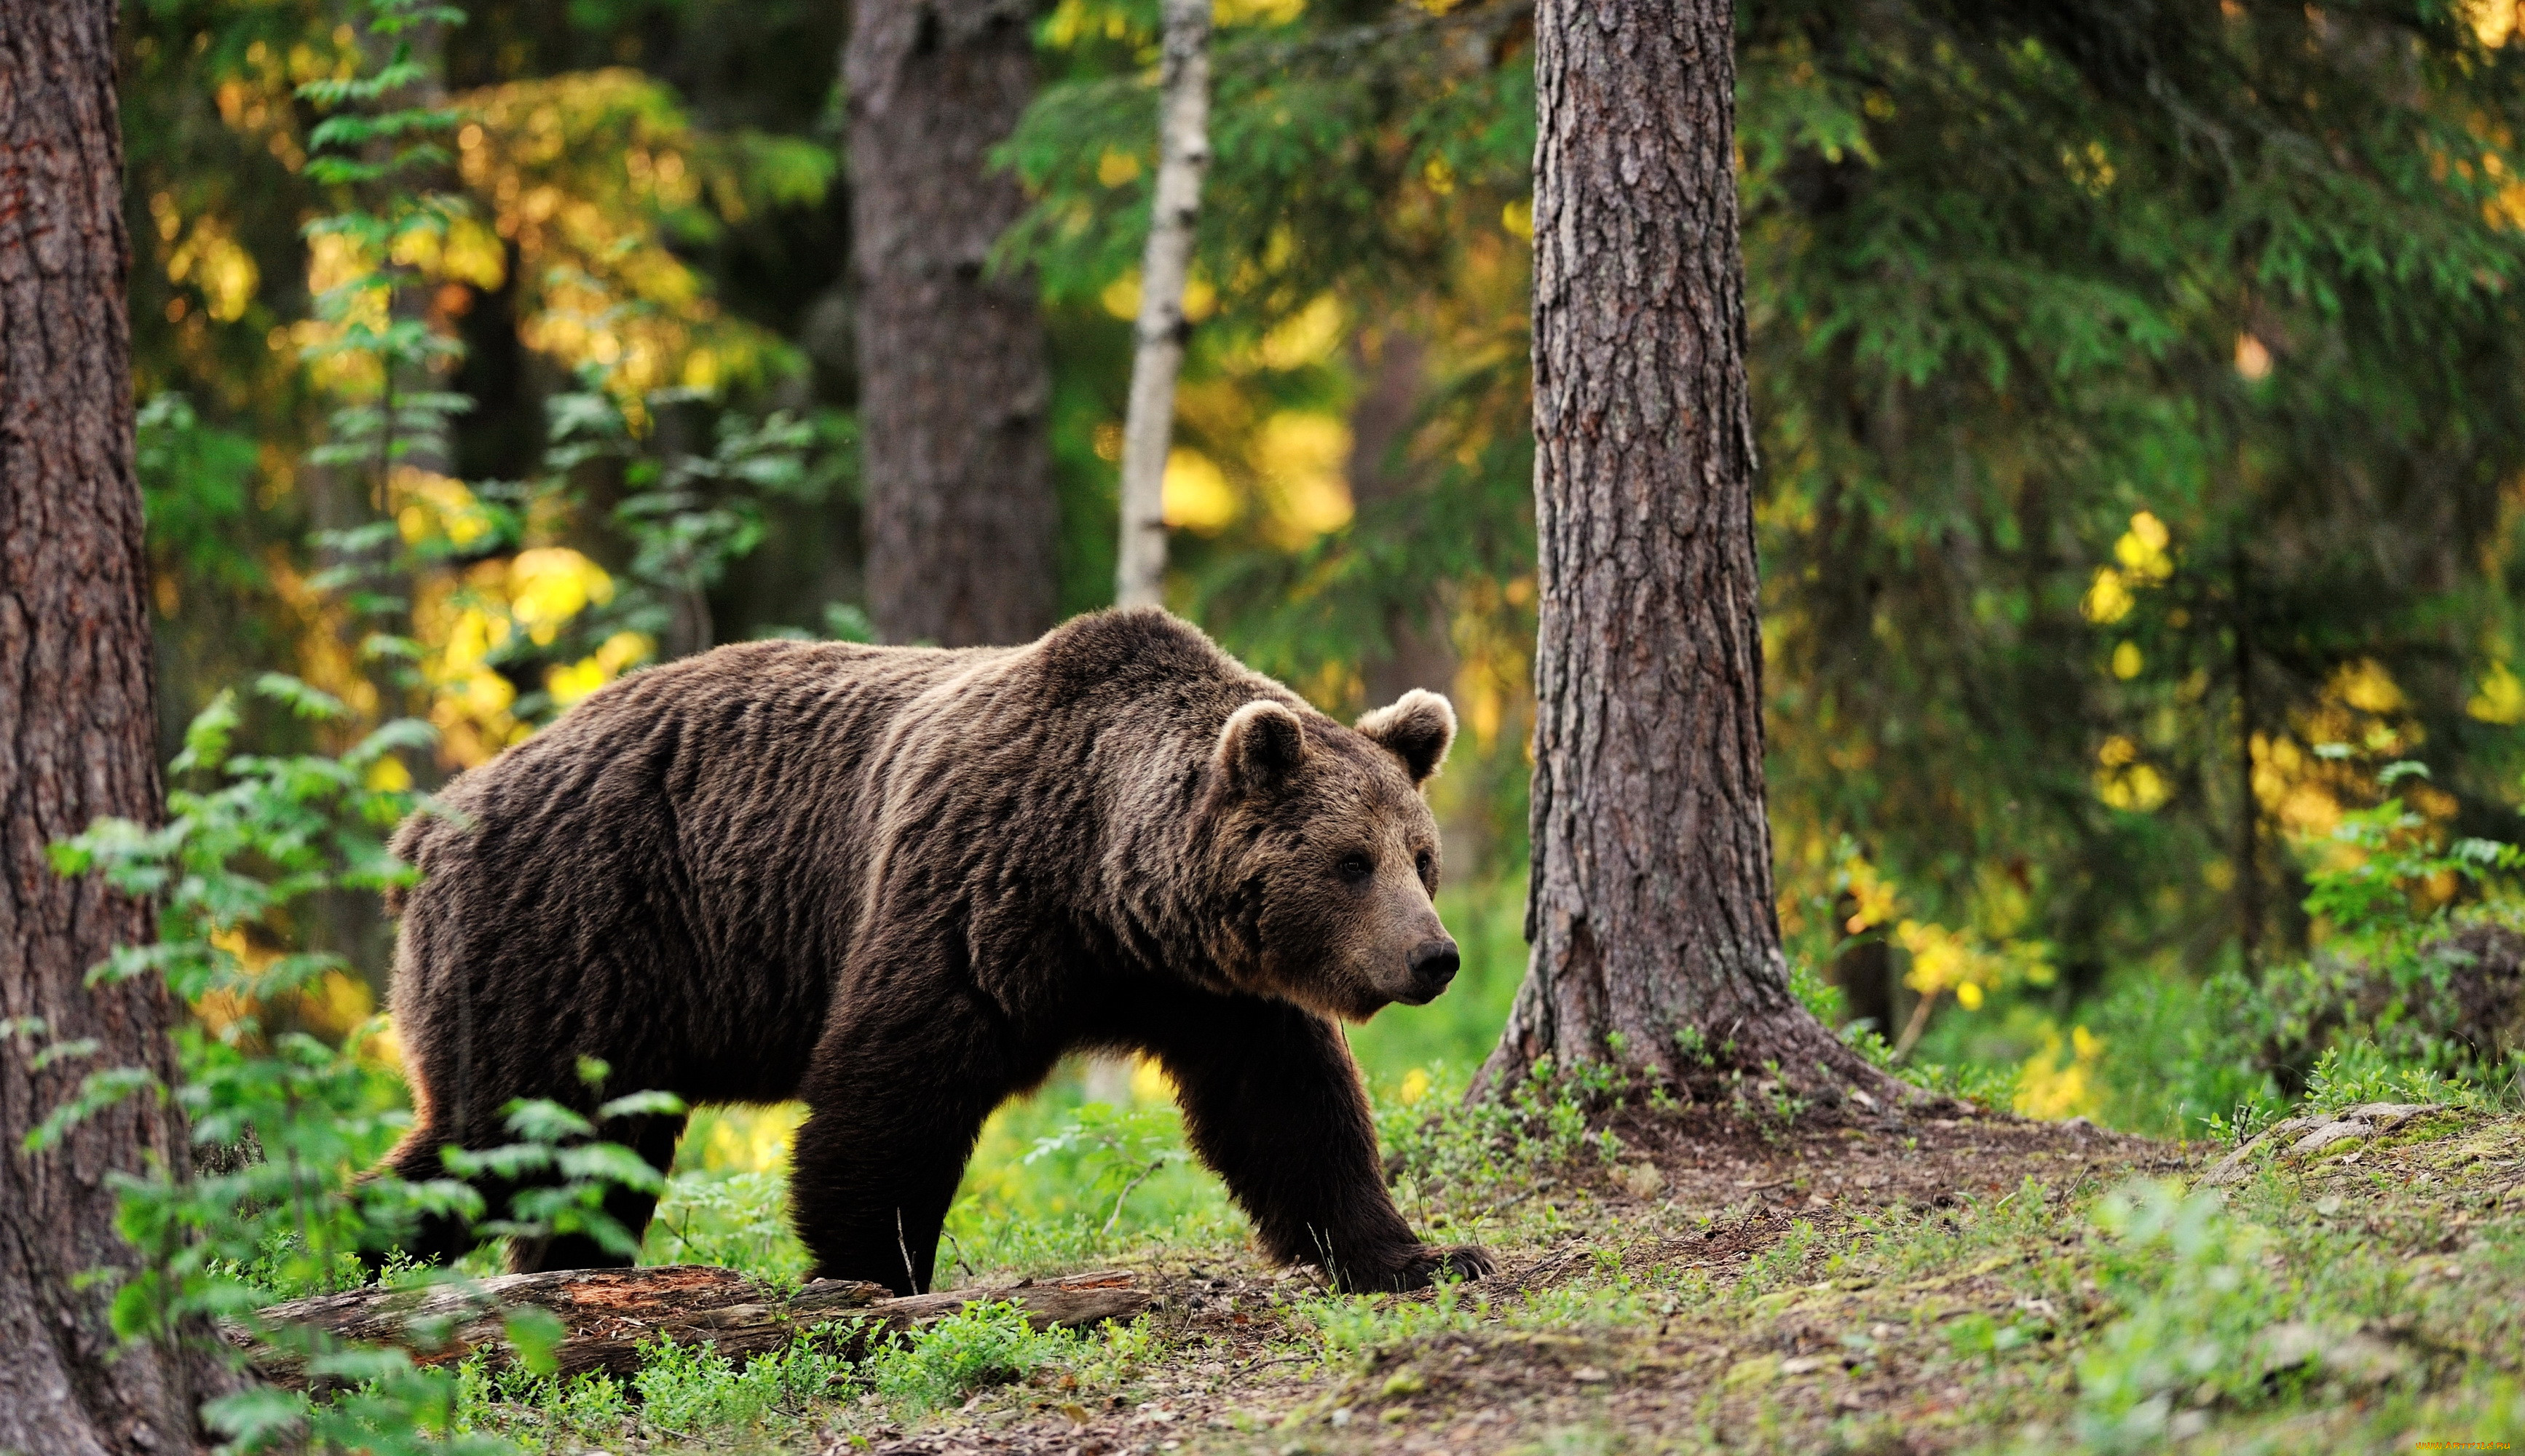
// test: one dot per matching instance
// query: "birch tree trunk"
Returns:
(1655, 941)
(953, 389)
(77, 740)
(1148, 422)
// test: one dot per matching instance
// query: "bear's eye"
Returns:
(1423, 862)
(1354, 867)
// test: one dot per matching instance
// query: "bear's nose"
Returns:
(1433, 963)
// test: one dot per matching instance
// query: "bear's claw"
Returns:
(1418, 1268)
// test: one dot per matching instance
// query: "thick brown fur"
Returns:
(901, 882)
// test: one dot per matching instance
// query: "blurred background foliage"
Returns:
(2142, 419)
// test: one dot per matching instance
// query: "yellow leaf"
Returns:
(2501, 699)
(1116, 167)
(2253, 358)
(1198, 497)
(2365, 685)
(2049, 1086)
(2107, 601)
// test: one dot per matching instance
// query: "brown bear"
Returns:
(900, 883)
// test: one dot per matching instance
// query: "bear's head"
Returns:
(1330, 854)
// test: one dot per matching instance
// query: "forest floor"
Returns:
(1704, 1280)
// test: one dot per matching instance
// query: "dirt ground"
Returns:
(1695, 1192)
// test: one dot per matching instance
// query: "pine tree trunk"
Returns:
(953, 385)
(1654, 939)
(1165, 266)
(76, 740)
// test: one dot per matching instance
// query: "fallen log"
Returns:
(607, 1314)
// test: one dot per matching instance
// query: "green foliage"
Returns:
(686, 517)
(196, 484)
(588, 1407)
(1113, 1150)
(2179, 1063)
(1308, 159)
(978, 1346)
(1353, 1329)
(687, 1389)
(1482, 1149)
(279, 1216)
(2048, 232)
(378, 145)
(2349, 1073)
(2389, 855)
(733, 1219)
(1065, 1178)
(281, 1208)
(2196, 1293)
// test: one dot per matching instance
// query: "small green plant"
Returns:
(2196, 1293)
(1483, 1147)
(688, 517)
(566, 1172)
(1692, 1047)
(735, 1220)
(2394, 853)
(691, 1388)
(1353, 1329)
(1115, 1150)
(589, 1407)
(978, 1346)
(1968, 1081)
(2350, 1073)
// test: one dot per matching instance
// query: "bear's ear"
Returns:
(1418, 729)
(1261, 746)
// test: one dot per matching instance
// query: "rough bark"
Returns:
(606, 1314)
(77, 740)
(1651, 910)
(953, 383)
(1166, 265)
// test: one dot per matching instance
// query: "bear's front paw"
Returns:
(1416, 1268)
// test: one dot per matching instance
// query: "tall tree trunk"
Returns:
(76, 740)
(1165, 266)
(1415, 652)
(953, 384)
(1655, 941)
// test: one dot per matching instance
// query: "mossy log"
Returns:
(607, 1314)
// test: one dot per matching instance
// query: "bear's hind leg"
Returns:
(652, 1136)
(436, 1238)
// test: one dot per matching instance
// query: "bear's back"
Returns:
(666, 876)
(671, 876)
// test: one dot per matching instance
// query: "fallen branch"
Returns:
(608, 1314)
